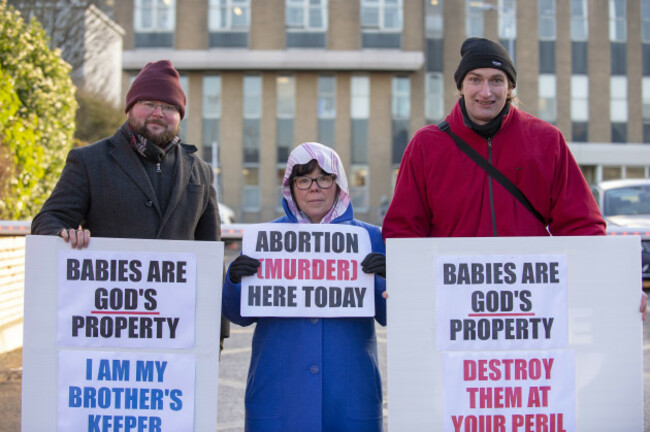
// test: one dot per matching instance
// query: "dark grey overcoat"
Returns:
(105, 188)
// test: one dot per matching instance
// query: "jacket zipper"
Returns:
(494, 220)
(158, 186)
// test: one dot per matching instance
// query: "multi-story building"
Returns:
(363, 75)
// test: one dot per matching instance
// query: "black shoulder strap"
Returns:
(492, 171)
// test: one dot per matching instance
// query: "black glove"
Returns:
(243, 265)
(374, 263)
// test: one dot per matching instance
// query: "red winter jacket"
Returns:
(441, 192)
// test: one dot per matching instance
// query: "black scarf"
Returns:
(489, 129)
(147, 149)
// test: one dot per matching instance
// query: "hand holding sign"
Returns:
(243, 265)
(374, 263)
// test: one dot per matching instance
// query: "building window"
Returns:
(580, 107)
(383, 15)
(617, 21)
(618, 108)
(212, 125)
(548, 98)
(306, 14)
(154, 16)
(285, 115)
(635, 172)
(285, 112)
(327, 110)
(547, 36)
(306, 23)
(231, 15)
(579, 20)
(185, 85)
(645, 20)
(252, 113)
(547, 57)
(154, 22)
(611, 172)
(579, 58)
(547, 21)
(645, 83)
(359, 114)
(433, 19)
(508, 26)
(580, 98)
(474, 18)
(381, 23)
(228, 23)
(401, 114)
(507, 19)
(434, 99)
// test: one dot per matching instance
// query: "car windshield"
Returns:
(630, 200)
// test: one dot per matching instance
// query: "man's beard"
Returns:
(160, 139)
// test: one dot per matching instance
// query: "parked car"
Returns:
(226, 214)
(625, 205)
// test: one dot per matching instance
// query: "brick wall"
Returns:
(12, 283)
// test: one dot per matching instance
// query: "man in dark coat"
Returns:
(140, 183)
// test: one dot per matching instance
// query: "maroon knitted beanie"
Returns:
(159, 82)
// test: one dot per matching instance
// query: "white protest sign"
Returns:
(126, 391)
(123, 299)
(496, 391)
(150, 375)
(501, 302)
(595, 381)
(307, 271)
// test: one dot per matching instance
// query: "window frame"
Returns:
(156, 9)
(617, 23)
(579, 20)
(215, 6)
(382, 6)
(306, 7)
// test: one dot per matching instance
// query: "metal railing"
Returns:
(19, 228)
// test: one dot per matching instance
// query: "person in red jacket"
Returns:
(442, 192)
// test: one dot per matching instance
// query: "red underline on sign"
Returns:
(123, 313)
(500, 314)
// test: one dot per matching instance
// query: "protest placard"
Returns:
(307, 271)
(123, 299)
(501, 302)
(515, 334)
(121, 336)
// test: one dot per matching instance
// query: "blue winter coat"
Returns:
(313, 375)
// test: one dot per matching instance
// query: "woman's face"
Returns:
(315, 201)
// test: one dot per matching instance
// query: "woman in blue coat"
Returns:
(313, 374)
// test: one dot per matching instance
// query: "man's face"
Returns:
(157, 121)
(486, 91)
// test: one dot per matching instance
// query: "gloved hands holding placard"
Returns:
(243, 265)
(374, 263)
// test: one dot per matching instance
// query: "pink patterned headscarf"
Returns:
(330, 162)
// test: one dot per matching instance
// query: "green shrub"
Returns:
(96, 118)
(37, 115)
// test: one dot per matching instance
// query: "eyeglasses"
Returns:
(324, 181)
(151, 107)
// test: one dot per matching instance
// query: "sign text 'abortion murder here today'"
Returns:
(307, 271)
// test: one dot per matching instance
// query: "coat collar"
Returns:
(128, 160)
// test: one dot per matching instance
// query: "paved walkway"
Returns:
(11, 364)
